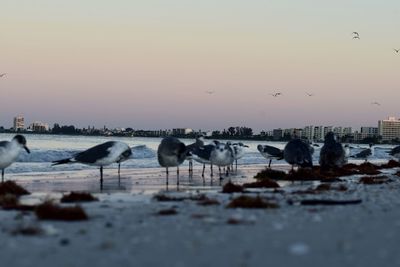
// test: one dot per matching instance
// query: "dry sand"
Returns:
(125, 229)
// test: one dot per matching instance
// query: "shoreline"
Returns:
(125, 227)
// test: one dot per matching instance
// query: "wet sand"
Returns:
(124, 227)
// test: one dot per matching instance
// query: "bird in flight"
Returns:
(276, 94)
(309, 94)
(355, 35)
(396, 50)
(2, 75)
(210, 92)
(375, 103)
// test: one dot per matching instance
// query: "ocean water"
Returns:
(47, 148)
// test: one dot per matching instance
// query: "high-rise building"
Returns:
(39, 127)
(368, 132)
(277, 134)
(308, 132)
(389, 129)
(319, 133)
(19, 123)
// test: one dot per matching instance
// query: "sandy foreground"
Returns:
(125, 229)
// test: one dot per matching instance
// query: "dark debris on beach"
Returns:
(167, 212)
(374, 180)
(248, 202)
(230, 188)
(263, 183)
(78, 197)
(50, 211)
(10, 187)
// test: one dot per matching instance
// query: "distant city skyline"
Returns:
(200, 64)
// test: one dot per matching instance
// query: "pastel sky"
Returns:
(147, 64)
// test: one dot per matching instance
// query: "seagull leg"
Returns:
(236, 164)
(177, 175)
(119, 174)
(2, 175)
(204, 168)
(212, 173)
(269, 165)
(101, 177)
(167, 175)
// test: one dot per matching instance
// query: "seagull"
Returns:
(375, 103)
(364, 154)
(298, 153)
(396, 50)
(202, 155)
(171, 153)
(309, 94)
(199, 143)
(2, 75)
(270, 152)
(9, 151)
(276, 94)
(355, 35)
(222, 155)
(210, 92)
(332, 154)
(101, 155)
(238, 151)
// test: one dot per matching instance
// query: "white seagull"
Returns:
(9, 151)
(101, 155)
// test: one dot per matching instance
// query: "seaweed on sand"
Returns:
(263, 183)
(50, 211)
(248, 202)
(230, 187)
(10, 187)
(78, 197)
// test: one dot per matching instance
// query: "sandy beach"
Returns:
(125, 227)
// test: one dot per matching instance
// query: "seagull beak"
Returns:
(27, 149)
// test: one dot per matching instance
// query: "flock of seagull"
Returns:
(172, 152)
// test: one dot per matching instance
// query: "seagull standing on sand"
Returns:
(222, 156)
(101, 155)
(270, 152)
(171, 153)
(9, 151)
(190, 148)
(298, 153)
(202, 155)
(332, 154)
(238, 151)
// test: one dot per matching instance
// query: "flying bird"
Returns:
(375, 103)
(276, 94)
(396, 50)
(309, 94)
(2, 75)
(356, 37)
(210, 92)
